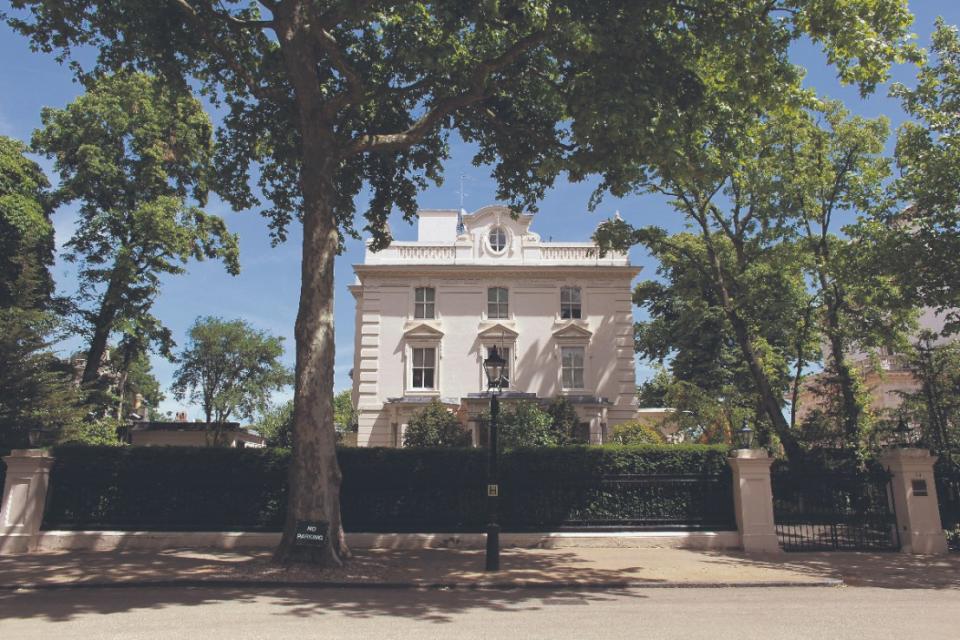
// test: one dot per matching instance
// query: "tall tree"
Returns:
(835, 186)
(26, 233)
(36, 391)
(928, 159)
(778, 261)
(329, 96)
(136, 156)
(230, 369)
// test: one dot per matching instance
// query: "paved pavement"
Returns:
(596, 567)
(819, 613)
(427, 567)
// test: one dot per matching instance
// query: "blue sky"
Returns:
(266, 292)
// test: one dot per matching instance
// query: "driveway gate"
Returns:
(948, 492)
(831, 511)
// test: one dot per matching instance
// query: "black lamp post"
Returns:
(493, 366)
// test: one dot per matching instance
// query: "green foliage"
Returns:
(135, 154)
(636, 432)
(523, 425)
(565, 423)
(26, 233)
(344, 415)
(276, 425)
(439, 489)
(935, 407)
(101, 433)
(36, 389)
(765, 276)
(229, 369)
(928, 160)
(435, 426)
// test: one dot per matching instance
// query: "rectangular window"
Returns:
(570, 303)
(505, 354)
(424, 303)
(571, 367)
(497, 308)
(424, 367)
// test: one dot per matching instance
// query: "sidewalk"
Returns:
(436, 568)
(442, 568)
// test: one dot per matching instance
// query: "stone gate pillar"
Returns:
(915, 500)
(24, 497)
(753, 500)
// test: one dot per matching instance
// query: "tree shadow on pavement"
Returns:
(862, 569)
(426, 567)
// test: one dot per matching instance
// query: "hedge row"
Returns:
(183, 488)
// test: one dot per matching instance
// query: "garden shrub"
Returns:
(636, 432)
(436, 426)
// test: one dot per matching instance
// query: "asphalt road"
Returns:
(821, 613)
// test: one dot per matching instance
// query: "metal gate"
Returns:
(831, 511)
(948, 494)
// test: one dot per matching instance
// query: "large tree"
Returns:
(928, 158)
(783, 256)
(327, 97)
(230, 369)
(135, 154)
(26, 233)
(36, 391)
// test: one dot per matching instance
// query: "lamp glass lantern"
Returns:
(494, 365)
(745, 436)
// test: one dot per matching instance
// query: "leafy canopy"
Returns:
(230, 369)
(540, 86)
(26, 233)
(135, 155)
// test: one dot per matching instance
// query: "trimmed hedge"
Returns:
(383, 490)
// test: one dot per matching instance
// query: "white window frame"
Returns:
(409, 366)
(431, 304)
(501, 231)
(498, 303)
(570, 304)
(583, 367)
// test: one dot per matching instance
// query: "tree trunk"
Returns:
(102, 326)
(770, 402)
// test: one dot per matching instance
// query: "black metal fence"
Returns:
(948, 493)
(831, 511)
(623, 502)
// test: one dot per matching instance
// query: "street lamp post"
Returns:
(493, 366)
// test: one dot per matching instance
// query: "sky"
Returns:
(266, 292)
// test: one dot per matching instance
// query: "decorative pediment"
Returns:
(497, 331)
(571, 331)
(421, 330)
(496, 214)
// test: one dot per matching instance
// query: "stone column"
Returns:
(753, 500)
(24, 497)
(915, 500)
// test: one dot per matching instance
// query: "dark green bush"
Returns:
(442, 489)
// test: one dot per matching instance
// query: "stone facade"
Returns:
(428, 311)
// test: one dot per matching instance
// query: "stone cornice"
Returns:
(495, 270)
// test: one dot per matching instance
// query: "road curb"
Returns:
(492, 585)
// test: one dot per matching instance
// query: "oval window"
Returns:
(498, 239)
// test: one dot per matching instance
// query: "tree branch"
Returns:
(445, 106)
(215, 41)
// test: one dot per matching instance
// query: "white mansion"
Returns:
(428, 311)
